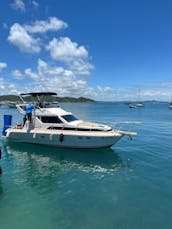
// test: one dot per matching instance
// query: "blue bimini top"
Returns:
(29, 108)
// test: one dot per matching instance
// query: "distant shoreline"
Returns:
(15, 98)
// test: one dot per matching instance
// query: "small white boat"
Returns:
(12, 104)
(132, 106)
(137, 105)
(140, 104)
(170, 105)
(56, 127)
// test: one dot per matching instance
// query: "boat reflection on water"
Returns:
(48, 169)
(60, 159)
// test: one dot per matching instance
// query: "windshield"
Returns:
(69, 118)
(50, 119)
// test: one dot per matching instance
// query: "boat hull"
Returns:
(65, 138)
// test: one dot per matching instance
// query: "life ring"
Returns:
(61, 137)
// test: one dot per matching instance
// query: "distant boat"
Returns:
(8, 104)
(136, 105)
(140, 104)
(11, 104)
(132, 106)
(170, 105)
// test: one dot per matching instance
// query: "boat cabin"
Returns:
(52, 117)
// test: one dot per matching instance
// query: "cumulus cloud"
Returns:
(19, 37)
(80, 67)
(7, 87)
(70, 53)
(158, 91)
(75, 63)
(25, 37)
(48, 77)
(64, 49)
(2, 65)
(28, 72)
(52, 24)
(63, 81)
(18, 5)
(17, 74)
(54, 78)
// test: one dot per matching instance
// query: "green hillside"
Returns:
(15, 98)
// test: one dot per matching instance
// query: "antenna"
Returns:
(21, 98)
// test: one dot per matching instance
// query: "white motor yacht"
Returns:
(56, 127)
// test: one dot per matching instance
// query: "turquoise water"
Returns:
(127, 186)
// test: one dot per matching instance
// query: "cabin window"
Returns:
(50, 119)
(70, 128)
(69, 118)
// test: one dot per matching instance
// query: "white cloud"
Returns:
(19, 37)
(64, 82)
(53, 78)
(2, 65)
(52, 24)
(7, 87)
(22, 35)
(17, 74)
(158, 91)
(75, 56)
(80, 67)
(46, 71)
(65, 50)
(18, 5)
(65, 79)
(28, 72)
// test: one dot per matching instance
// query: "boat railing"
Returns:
(127, 125)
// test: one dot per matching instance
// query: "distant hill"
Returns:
(15, 98)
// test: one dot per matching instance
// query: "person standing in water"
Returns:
(29, 108)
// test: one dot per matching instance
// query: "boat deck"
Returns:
(114, 132)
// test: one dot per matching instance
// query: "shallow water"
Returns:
(126, 186)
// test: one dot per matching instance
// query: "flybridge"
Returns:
(35, 94)
(40, 103)
(39, 95)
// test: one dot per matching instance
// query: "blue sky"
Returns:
(105, 50)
